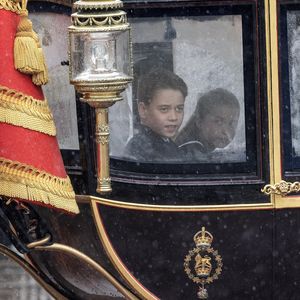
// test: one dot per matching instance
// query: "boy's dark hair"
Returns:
(158, 79)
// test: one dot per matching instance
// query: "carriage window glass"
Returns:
(51, 22)
(195, 98)
(290, 87)
(52, 29)
(188, 92)
(293, 19)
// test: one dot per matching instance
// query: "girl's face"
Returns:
(217, 129)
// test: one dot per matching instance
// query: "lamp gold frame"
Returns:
(100, 16)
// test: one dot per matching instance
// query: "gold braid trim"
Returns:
(11, 6)
(22, 181)
(19, 109)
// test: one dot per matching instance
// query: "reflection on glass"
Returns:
(293, 25)
(207, 54)
(103, 56)
(100, 55)
(52, 29)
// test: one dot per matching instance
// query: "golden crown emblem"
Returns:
(203, 238)
(203, 264)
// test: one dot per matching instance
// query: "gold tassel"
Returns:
(25, 47)
(28, 54)
(41, 77)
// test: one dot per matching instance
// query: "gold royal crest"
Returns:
(203, 264)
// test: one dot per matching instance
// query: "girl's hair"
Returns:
(212, 99)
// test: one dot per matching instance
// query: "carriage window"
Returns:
(188, 92)
(194, 104)
(290, 87)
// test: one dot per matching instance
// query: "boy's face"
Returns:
(164, 113)
(218, 127)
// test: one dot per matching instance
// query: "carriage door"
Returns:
(204, 201)
(217, 221)
(196, 225)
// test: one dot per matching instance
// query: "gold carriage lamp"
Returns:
(100, 67)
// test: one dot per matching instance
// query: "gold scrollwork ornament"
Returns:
(282, 188)
(203, 264)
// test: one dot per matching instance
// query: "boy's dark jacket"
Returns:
(147, 146)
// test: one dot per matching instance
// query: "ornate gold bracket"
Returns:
(203, 264)
(282, 188)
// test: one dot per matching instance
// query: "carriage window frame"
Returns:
(290, 161)
(234, 172)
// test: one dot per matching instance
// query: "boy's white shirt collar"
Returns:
(165, 139)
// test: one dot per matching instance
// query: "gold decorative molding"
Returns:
(282, 188)
(100, 139)
(104, 181)
(102, 128)
(114, 19)
(101, 91)
(42, 242)
(173, 208)
(94, 5)
(141, 291)
(22, 110)
(203, 264)
(99, 16)
(274, 103)
(102, 134)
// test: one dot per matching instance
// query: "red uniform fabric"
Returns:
(26, 146)
(17, 143)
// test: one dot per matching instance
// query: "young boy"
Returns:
(161, 95)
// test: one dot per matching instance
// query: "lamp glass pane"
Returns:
(100, 55)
